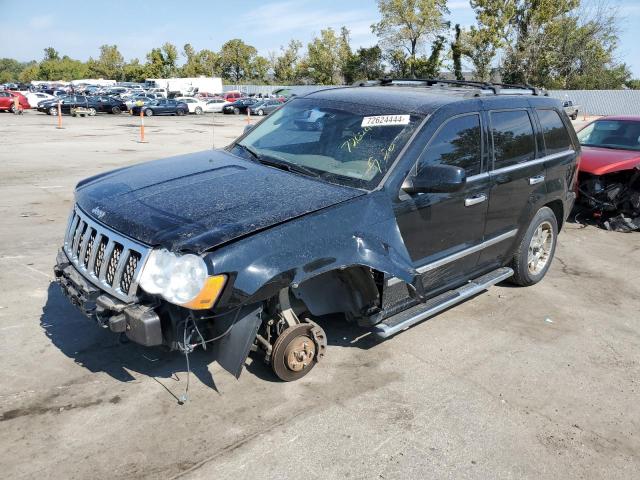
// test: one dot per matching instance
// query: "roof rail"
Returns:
(496, 88)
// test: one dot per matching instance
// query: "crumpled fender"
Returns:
(362, 231)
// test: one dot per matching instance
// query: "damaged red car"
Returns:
(609, 171)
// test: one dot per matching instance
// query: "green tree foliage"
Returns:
(10, 69)
(429, 67)
(161, 62)
(456, 53)
(479, 46)
(109, 64)
(324, 59)
(365, 64)
(204, 62)
(236, 60)
(133, 71)
(286, 65)
(406, 24)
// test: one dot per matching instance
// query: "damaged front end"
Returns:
(613, 199)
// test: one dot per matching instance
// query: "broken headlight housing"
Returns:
(181, 279)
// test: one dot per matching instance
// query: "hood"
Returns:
(198, 201)
(600, 161)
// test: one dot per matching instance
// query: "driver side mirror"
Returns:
(436, 179)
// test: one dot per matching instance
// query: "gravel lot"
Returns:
(538, 383)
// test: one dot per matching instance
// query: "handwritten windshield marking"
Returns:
(353, 142)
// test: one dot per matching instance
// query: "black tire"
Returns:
(116, 110)
(180, 112)
(148, 112)
(92, 112)
(53, 111)
(523, 275)
(13, 108)
(260, 112)
(198, 111)
(236, 111)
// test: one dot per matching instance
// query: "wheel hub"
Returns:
(540, 248)
(299, 353)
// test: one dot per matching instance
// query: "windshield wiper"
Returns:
(252, 151)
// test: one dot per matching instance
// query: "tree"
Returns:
(51, 53)
(323, 61)
(236, 58)
(518, 27)
(204, 62)
(10, 69)
(161, 62)
(479, 47)
(429, 67)
(405, 24)
(109, 64)
(133, 71)
(285, 65)
(366, 64)
(456, 53)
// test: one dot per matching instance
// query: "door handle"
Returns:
(468, 202)
(537, 179)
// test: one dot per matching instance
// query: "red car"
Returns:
(7, 102)
(609, 171)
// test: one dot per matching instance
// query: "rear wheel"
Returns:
(198, 111)
(236, 111)
(533, 257)
(180, 112)
(261, 112)
(148, 112)
(92, 112)
(116, 110)
(53, 111)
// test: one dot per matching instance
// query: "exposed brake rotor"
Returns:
(297, 350)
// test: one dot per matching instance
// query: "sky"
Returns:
(78, 28)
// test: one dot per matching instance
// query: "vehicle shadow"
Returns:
(99, 350)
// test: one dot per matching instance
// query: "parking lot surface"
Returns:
(541, 382)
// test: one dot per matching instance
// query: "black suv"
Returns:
(385, 204)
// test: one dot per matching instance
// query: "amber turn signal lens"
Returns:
(209, 294)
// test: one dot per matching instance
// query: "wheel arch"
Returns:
(557, 207)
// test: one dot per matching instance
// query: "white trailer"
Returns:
(187, 86)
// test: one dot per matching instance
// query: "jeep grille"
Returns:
(110, 260)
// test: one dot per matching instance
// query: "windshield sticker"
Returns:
(385, 120)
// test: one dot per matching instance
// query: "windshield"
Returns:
(343, 143)
(621, 134)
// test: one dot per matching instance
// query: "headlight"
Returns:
(181, 280)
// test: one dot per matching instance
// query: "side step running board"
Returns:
(422, 311)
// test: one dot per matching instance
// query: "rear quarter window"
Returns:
(513, 138)
(556, 137)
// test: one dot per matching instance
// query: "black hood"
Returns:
(198, 201)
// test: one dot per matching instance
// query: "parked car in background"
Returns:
(195, 105)
(7, 101)
(233, 96)
(35, 98)
(264, 107)
(215, 105)
(609, 171)
(159, 91)
(135, 100)
(207, 95)
(163, 106)
(239, 106)
(571, 109)
(95, 104)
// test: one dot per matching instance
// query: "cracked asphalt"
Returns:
(539, 383)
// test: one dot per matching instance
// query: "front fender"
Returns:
(359, 232)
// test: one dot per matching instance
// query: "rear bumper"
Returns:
(140, 323)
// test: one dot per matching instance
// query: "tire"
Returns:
(13, 108)
(116, 110)
(236, 111)
(53, 111)
(574, 116)
(525, 263)
(261, 112)
(198, 111)
(180, 112)
(92, 112)
(148, 112)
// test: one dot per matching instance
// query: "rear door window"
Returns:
(556, 138)
(513, 139)
(458, 143)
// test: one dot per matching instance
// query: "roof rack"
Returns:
(496, 88)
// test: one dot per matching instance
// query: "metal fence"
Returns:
(592, 102)
(602, 102)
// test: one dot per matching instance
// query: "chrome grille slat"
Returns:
(92, 248)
